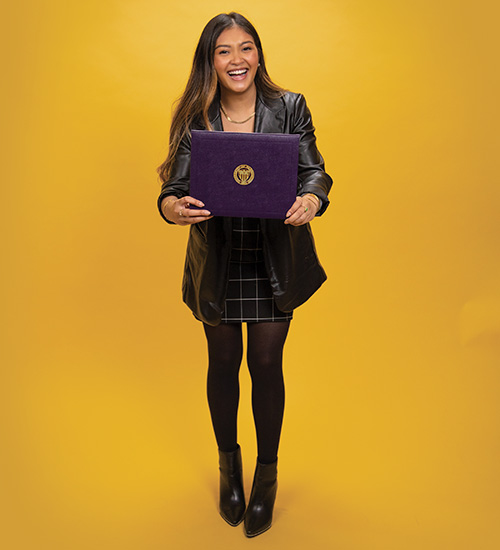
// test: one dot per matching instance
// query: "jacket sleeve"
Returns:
(312, 177)
(178, 182)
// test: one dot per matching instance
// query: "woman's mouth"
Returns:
(238, 74)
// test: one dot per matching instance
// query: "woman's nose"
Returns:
(236, 58)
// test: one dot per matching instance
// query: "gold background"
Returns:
(391, 436)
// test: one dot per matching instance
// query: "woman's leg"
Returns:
(225, 350)
(265, 363)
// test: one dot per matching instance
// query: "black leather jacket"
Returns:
(289, 252)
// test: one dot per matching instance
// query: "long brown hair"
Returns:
(202, 85)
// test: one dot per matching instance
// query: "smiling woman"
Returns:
(244, 269)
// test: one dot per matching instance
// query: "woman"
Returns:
(244, 270)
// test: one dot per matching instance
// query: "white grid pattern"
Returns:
(250, 297)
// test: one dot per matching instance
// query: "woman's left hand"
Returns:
(302, 210)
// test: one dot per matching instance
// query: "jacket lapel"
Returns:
(269, 116)
(214, 115)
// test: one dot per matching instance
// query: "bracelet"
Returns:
(318, 202)
(166, 203)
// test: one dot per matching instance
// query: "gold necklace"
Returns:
(236, 121)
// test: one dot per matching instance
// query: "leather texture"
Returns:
(231, 494)
(259, 515)
(292, 264)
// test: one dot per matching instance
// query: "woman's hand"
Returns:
(178, 211)
(303, 210)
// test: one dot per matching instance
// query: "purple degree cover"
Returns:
(244, 175)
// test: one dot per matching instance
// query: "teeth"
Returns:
(238, 72)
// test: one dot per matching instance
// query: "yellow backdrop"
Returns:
(391, 436)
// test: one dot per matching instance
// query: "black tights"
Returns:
(265, 362)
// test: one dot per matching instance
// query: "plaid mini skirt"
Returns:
(249, 296)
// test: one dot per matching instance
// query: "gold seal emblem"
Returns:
(243, 174)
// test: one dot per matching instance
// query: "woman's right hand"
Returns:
(178, 211)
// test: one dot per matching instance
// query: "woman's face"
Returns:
(236, 60)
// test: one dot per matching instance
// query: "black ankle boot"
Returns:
(232, 497)
(259, 515)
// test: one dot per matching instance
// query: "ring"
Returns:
(180, 213)
(305, 209)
